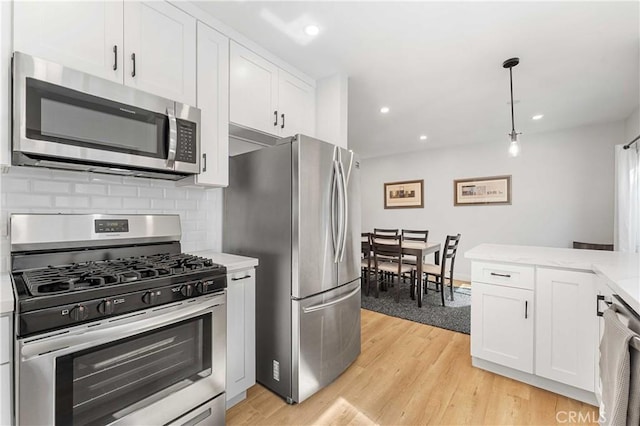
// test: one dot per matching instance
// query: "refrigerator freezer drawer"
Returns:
(326, 338)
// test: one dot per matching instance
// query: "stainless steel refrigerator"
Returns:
(296, 207)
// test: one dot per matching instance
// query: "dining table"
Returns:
(419, 249)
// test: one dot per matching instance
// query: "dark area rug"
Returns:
(455, 316)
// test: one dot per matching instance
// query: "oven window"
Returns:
(66, 116)
(107, 382)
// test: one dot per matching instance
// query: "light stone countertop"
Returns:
(621, 271)
(232, 262)
(6, 294)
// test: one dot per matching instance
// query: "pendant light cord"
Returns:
(513, 126)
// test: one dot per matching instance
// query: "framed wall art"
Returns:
(482, 191)
(404, 195)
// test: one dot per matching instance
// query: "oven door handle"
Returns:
(173, 137)
(127, 325)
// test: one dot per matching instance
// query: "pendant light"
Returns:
(514, 148)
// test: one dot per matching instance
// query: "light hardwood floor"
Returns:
(412, 374)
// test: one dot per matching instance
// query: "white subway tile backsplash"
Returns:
(187, 204)
(28, 200)
(136, 203)
(90, 188)
(150, 192)
(106, 202)
(176, 193)
(165, 204)
(123, 191)
(49, 186)
(11, 184)
(71, 202)
(39, 190)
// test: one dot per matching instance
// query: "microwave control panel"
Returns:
(186, 150)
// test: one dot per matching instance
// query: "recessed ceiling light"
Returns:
(423, 137)
(312, 30)
(384, 110)
(537, 116)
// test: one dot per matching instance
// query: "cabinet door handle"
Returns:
(526, 309)
(115, 57)
(204, 162)
(241, 278)
(500, 275)
(133, 60)
(275, 117)
(282, 127)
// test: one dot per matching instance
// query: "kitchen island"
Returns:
(533, 314)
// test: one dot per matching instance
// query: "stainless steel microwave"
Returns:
(67, 119)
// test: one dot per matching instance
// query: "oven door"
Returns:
(150, 367)
(75, 117)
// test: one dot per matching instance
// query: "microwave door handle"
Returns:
(173, 137)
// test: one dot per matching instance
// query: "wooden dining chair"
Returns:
(387, 257)
(440, 272)
(366, 257)
(592, 246)
(386, 232)
(418, 236)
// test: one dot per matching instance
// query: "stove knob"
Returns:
(150, 298)
(199, 288)
(79, 313)
(105, 307)
(187, 290)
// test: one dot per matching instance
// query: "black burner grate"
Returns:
(80, 276)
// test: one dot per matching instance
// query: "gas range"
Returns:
(89, 280)
(114, 324)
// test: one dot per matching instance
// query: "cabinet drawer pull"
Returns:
(115, 57)
(500, 275)
(204, 162)
(241, 278)
(133, 60)
(526, 309)
(282, 127)
(275, 117)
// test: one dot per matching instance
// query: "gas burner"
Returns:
(80, 276)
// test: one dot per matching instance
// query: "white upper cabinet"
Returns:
(84, 35)
(296, 102)
(253, 95)
(266, 98)
(102, 38)
(213, 101)
(160, 50)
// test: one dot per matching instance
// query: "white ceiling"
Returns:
(438, 65)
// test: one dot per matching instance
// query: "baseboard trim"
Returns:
(537, 381)
(236, 399)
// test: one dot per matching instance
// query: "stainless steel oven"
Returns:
(135, 369)
(63, 118)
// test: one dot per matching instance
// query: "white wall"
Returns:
(562, 190)
(632, 126)
(39, 190)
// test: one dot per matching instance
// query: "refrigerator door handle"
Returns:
(325, 305)
(334, 232)
(341, 206)
(345, 210)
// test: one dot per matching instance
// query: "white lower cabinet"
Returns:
(502, 325)
(5, 394)
(537, 325)
(566, 327)
(6, 382)
(241, 334)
